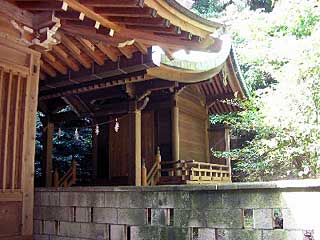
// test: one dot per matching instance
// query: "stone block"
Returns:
(94, 231)
(118, 232)
(37, 227)
(105, 215)
(144, 233)
(206, 234)
(206, 200)
(280, 234)
(37, 198)
(69, 229)
(124, 200)
(49, 199)
(82, 199)
(83, 214)
(239, 234)
(179, 199)
(50, 227)
(40, 237)
(174, 233)
(263, 218)
(218, 218)
(133, 216)
(54, 213)
(250, 199)
(310, 199)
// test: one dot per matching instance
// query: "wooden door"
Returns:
(19, 76)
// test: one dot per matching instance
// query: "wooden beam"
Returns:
(18, 14)
(40, 5)
(155, 22)
(48, 69)
(60, 52)
(141, 47)
(111, 52)
(127, 51)
(134, 145)
(80, 7)
(113, 3)
(126, 12)
(74, 50)
(89, 49)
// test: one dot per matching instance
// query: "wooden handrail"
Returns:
(69, 179)
(194, 171)
(153, 176)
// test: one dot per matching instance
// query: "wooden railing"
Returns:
(68, 179)
(153, 176)
(191, 171)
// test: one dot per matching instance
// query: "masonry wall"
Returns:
(180, 212)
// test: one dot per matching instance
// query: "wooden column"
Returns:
(134, 145)
(47, 166)
(227, 148)
(206, 140)
(94, 154)
(175, 131)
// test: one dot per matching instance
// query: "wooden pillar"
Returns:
(227, 148)
(175, 131)
(47, 166)
(134, 145)
(94, 155)
(206, 135)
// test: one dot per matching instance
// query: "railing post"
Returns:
(56, 178)
(144, 173)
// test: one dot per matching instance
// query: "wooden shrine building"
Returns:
(151, 66)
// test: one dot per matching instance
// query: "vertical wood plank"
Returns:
(1, 121)
(20, 147)
(15, 133)
(6, 130)
(29, 140)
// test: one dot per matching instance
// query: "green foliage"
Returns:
(279, 53)
(65, 148)
(214, 8)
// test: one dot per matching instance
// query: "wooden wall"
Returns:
(19, 76)
(193, 119)
(118, 148)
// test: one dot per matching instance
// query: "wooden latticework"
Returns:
(19, 74)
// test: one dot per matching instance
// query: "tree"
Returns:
(279, 53)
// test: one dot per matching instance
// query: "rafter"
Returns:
(47, 69)
(113, 3)
(59, 51)
(74, 50)
(110, 51)
(126, 12)
(80, 7)
(89, 49)
(127, 51)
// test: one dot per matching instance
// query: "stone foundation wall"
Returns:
(262, 211)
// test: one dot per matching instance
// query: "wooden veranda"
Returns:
(150, 65)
